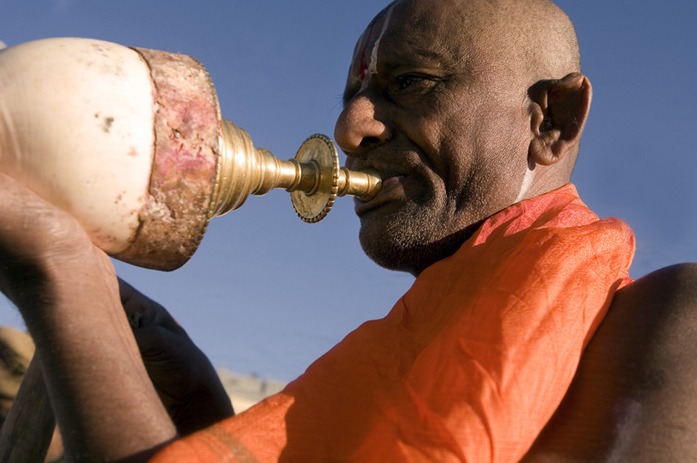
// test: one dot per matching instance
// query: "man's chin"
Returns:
(389, 259)
(409, 242)
(386, 245)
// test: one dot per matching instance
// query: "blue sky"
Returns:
(266, 293)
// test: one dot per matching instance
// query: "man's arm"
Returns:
(68, 295)
(632, 398)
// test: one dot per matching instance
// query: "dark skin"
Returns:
(64, 287)
(47, 273)
(632, 399)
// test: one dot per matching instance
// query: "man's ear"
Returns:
(559, 109)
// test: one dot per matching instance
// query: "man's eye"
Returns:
(408, 80)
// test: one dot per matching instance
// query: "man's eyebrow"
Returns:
(403, 58)
(413, 57)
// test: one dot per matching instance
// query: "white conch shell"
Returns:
(76, 126)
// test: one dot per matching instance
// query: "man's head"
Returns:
(465, 107)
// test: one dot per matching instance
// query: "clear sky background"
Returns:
(268, 294)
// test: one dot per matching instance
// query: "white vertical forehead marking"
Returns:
(373, 66)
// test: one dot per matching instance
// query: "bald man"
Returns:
(472, 111)
(461, 94)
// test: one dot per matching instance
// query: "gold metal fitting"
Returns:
(314, 178)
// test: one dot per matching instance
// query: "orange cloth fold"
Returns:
(467, 367)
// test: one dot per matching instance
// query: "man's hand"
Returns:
(183, 376)
(67, 292)
(37, 239)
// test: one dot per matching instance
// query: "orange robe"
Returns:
(467, 367)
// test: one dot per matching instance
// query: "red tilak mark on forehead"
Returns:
(363, 65)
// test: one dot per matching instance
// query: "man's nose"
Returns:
(358, 129)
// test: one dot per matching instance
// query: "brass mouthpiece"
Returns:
(313, 178)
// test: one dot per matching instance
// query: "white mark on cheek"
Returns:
(373, 66)
(527, 181)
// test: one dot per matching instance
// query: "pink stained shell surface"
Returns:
(187, 124)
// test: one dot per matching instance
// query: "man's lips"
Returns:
(390, 182)
(389, 191)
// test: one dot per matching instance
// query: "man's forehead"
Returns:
(378, 21)
(420, 29)
(368, 44)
